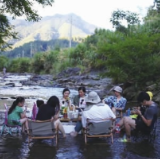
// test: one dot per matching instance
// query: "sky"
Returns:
(97, 12)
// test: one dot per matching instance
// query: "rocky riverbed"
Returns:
(72, 78)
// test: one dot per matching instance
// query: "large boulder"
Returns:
(69, 72)
(130, 93)
(151, 87)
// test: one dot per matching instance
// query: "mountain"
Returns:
(51, 27)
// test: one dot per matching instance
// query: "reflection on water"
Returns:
(97, 148)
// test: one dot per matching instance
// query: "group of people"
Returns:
(92, 108)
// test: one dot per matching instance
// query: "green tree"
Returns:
(6, 32)
(17, 8)
(119, 15)
(157, 4)
(132, 59)
(3, 62)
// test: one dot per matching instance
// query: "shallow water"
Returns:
(31, 93)
(74, 148)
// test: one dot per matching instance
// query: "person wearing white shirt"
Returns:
(98, 112)
(95, 111)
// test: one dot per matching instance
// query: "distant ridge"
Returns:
(51, 27)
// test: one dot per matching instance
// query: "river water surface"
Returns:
(73, 148)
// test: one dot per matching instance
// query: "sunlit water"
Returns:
(74, 148)
(31, 93)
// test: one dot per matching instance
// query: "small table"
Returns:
(68, 120)
(69, 125)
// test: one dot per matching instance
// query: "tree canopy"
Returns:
(17, 8)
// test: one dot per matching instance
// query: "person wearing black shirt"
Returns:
(51, 111)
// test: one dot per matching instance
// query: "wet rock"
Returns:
(10, 84)
(13, 97)
(130, 93)
(4, 98)
(69, 72)
(151, 87)
(46, 84)
(29, 83)
(156, 97)
(95, 77)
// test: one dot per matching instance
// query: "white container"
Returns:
(75, 114)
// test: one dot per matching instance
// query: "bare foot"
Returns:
(73, 134)
(64, 136)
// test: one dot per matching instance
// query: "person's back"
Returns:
(15, 115)
(98, 113)
(45, 112)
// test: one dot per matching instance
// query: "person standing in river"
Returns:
(4, 72)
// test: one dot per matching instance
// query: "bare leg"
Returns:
(128, 124)
(59, 126)
(121, 123)
(24, 123)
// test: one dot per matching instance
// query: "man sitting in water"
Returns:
(141, 107)
(146, 121)
(94, 110)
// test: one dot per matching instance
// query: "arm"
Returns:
(146, 121)
(84, 120)
(76, 101)
(23, 114)
(70, 106)
(55, 117)
(109, 99)
(112, 115)
(124, 104)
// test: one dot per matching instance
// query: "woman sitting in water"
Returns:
(16, 115)
(51, 111)
(65, 100)
(117, 102)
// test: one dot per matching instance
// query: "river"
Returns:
(31, 93)
(70, 148)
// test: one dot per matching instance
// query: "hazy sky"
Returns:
(97, 12)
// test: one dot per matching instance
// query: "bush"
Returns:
(20, 65)
(133, 59)
(4, 62)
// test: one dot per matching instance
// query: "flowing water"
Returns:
(72, 148)
(31, 93)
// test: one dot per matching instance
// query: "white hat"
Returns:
(117, 89)
(93, 97)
